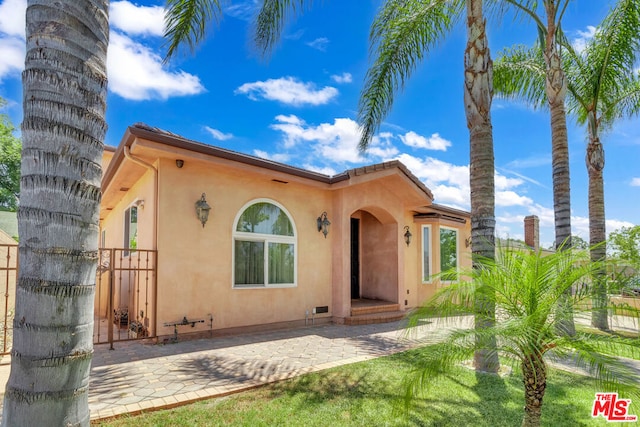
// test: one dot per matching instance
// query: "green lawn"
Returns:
(364, 394)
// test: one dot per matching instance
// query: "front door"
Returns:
(355, 258)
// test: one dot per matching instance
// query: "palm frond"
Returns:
(623, 103)
(610, 372)
(528, 8)
(270, 21)
(186, 22)
(573, 65)
(519, 73)
(527, 287)
(440, 359)
(599, 73)
(402, 34)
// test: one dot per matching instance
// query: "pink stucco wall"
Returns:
(194, 275)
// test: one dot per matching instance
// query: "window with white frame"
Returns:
(426, 253)
(448, 252)
(130, 230)
(264, 247)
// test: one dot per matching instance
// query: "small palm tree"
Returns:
(527, 288)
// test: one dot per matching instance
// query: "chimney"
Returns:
(532, 231)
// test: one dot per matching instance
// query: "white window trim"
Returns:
(127, 251)
(429, 242)
(457, 250)
(266, 238)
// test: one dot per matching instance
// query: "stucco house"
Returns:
(244, 242)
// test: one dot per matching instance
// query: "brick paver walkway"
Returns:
(138, 376)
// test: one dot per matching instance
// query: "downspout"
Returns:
(154, 243)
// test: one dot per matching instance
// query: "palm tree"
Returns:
(64, 86)
(604, 87)
(402, 34)
(548, 27)
(478, 94)
(527, 287)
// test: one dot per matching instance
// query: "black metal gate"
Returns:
(125, 296)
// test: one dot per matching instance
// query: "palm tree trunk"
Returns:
(556, 90)
(478, 93)
(64, 85)
(534, 375)
(597, 231)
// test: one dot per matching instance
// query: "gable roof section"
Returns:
(393, 164)
(172, 141)
(144, 131)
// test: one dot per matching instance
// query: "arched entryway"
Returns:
(374, 255)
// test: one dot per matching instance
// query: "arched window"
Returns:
(264, 247)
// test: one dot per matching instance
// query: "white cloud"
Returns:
(523, 177)
(342, 78)
(336, 142)
(323, 170)
(12, 21)
(503, 183)
(530, 162)
(290, 119)
(615, 224)
(320, 44)
(288, 90)
(12, 58)
(580, 226)
(282, 158)
(295, 36)
(580, 42)
(511, 198)
(220, 136)
(137, 20)
(545, 214)
(136, 73)
(243, 10)
(434, 142)
(635, 182)
(448, 182)
(12, 46)
(381, 150)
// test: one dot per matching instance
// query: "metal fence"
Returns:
(8, 273)
(125, 293)
(124, 306)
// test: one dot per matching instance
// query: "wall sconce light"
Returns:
(202, 210)
(467, 242)
(179, 163)
(407, 235)
(323, 224)
(139, 203)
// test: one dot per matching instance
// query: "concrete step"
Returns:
(372, 309)
(373, 318)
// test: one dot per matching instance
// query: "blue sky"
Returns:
(299, 107)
